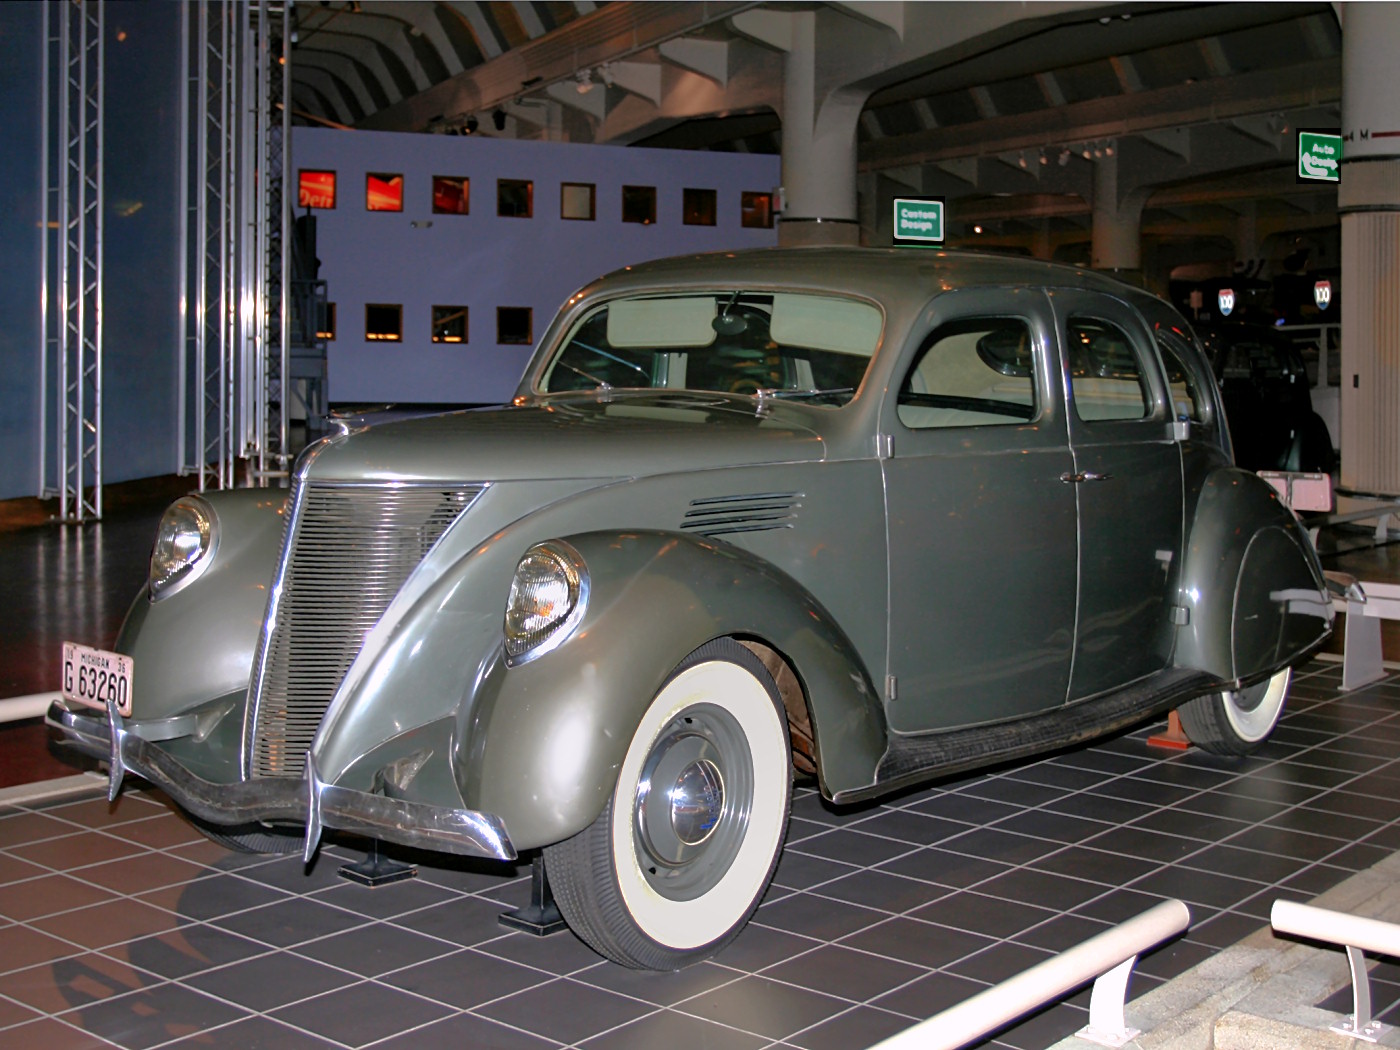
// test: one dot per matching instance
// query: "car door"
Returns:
(982, 533)
(1127, 481)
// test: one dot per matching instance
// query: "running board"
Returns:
(909, 760)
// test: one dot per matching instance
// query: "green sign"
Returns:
(1319, 156)
(918, 220)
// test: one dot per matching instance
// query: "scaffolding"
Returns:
(235, 130)
(71, 257)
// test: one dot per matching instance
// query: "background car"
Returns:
(876, 516)
(1265, 388)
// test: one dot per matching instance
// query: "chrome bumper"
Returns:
(308, 801)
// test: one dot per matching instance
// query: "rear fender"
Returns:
(1252, 585)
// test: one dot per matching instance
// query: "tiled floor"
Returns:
(122, 926)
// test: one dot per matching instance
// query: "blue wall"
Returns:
(481, 260)
(139, 266)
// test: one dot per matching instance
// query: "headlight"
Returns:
(184, 545)
(547, 598)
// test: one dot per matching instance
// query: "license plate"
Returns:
(93, 676)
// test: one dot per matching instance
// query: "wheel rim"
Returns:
(693, 802)
(714, 732)
(1253, 712)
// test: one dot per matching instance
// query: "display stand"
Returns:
(377, 870)
(1174, 737)
(541, 916)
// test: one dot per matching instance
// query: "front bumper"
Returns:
(308, 801)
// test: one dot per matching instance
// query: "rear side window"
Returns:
(1188, 397)
(972, 373)
(1105, 372)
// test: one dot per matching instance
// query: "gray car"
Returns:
(872, 517)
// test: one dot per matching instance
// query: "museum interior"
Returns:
(277, 274)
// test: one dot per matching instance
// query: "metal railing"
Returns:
(1357, 935)
(1106, 959)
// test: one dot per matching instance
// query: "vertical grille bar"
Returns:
(349, 551)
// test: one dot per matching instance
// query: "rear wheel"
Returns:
(1236, 722)
(680, 857)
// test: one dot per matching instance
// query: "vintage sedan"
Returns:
(869, 516)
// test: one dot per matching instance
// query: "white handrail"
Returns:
(1356, 934)
(1108, 956)
(18, 708)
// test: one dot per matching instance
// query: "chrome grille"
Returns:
(348, 551)
(755, 512)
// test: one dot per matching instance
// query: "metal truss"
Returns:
(235, 133)
(71, 257)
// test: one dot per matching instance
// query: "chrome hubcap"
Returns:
(697, 799)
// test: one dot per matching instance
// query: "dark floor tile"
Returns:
(361, 1013)
(290, 922)
(1094, 865)
(852, 847)
(763, 1007)
(760, 946)
(254, 1033)
(73, 983)
(1057, 827)
(113, 922)
(928, 995)
(156, 1015)
(184, 951)
(1119, 905)
(1264, 839)
(666, 1028)
(1000, 963)
(12, 869)
(984, 915)
(1317, 879)
(76, 849)
(1357, 857)
(1223, 930)
(863, 1026)
(1056, 892)
(468, 1032)
(1245, 864)
(386, 902)
(809, 805)
(566, 1010)
(52, 1034)
(1043, 1028)
(998, 845)
(21, 947)
(1356, 805)
(46, 895)
(1013, 792)
(1155, 846)
(660, 989)
(1188, 824)
(467, 978)
(954, 870)
(1198, 887)
(1054, 775)
(1173, 959)
(845, 973)
(878, 889)
(965, 809)
(920, 943)
(372, 950)
(1226, 803)
(462, 920)
(800, 871)
(1061, 932)
(269, 981)
(213, 896)
(814, 916)
(559, 953)
(1101, 808)
(909, 825)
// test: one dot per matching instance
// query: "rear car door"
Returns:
(982, 532)
(1127, 483)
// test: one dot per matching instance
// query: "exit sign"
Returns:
(1319, 156)
(918, 220)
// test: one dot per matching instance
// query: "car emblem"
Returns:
(1227, 301)
(1322, 294)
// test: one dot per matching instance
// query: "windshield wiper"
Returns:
(602, 384)
(778, 393)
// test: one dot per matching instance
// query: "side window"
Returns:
(972, 373)
(1188, 399)
(1105, 372)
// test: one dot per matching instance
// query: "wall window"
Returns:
(756, 211)
(639, 204)
(515, 198)
(384, 322)
(451, 195)
(326, 328)
(383, 192)
(315, 189)
(699, 208)
(576, 201)
(449, 324)
(514, 325)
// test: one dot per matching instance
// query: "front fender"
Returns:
(197, 644)
(542, 742)
(1251, 583)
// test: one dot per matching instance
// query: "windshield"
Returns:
(733, 341)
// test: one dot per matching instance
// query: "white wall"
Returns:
(482, 261)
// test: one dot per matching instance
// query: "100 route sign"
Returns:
(918, 220)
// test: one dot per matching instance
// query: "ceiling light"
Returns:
(1064, 157)
(1043, 158)
(583, 81)
(976, 229)
(1108, 149)
(1022, 159)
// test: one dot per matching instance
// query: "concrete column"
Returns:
(1117, 217)
(1368, 200)
(819, 148)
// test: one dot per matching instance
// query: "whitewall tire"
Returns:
(1236, 722)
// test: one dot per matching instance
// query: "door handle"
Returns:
(1088, 475)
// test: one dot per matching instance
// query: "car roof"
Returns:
(883, 273)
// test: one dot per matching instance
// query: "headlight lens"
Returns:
(547, 599)
(184, 542)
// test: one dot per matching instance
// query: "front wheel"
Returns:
(681, 855)
(1236, 723)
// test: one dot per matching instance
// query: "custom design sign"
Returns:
(1226, 300)
(1322, 294)
(1319, 156)
(918, 220)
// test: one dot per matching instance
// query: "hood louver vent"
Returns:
(754, 512)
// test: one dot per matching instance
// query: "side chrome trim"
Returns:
(465, 832)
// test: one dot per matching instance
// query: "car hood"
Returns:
(609, 435)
